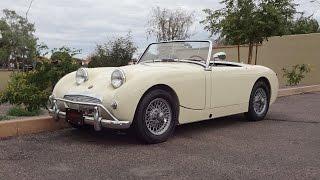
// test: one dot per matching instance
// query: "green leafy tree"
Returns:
(18, 41)
(250, 21)
(116, 52)
(304, 25)
(4, 41)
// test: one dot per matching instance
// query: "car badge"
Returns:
(91, 86)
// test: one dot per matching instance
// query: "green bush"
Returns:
(295, 75)
(19, 111)
(21, 92)
(32, 89)
(2, 117)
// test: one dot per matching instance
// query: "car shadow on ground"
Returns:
(127, 137)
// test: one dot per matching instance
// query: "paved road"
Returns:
(284, 146)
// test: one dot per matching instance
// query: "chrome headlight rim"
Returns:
(82, 77)
(121, 77)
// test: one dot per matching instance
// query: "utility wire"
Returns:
(29, 9)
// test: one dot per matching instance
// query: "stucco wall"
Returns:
(4, 77)
(279, 52)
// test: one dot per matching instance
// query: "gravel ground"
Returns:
(284, 146)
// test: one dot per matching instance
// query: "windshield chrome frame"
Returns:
(206, 65)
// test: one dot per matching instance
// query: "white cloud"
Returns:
(84, 23)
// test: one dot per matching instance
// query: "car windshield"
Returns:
(191, 51)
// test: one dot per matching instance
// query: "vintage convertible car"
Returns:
(173, 83)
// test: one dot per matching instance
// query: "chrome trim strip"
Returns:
(84, 93)
(82, 98)
(209, 56)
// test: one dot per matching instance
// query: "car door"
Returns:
(230, 86)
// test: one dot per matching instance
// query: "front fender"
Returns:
(190, 89)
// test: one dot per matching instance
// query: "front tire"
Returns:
(259, 102)
(156, 117)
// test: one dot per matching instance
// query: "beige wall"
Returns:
(4, 78)
(285, 51)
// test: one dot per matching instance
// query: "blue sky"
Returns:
(84, 23)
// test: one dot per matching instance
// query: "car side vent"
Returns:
(81, 98)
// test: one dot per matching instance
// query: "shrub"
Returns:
(2, 117)
(19, 111)
(32, 89)
(20, 92)
(296, 73)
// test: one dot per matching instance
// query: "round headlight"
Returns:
(81, 75)
(117, 78)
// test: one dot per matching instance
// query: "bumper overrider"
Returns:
(94, 118)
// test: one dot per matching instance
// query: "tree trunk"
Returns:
(256, 57)
(250, 53)
(238, 52)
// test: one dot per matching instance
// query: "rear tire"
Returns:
(156, 117)
(259, 102)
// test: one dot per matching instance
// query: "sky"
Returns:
(83, 24)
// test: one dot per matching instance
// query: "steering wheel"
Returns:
(196, 56)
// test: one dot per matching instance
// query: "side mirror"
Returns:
(220, 56)
(84, 62)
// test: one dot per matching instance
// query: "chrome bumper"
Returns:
(96, 120)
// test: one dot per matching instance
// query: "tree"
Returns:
(116, 52)
(304, 25)
(166, 24)
(18, 38)
(250, 21)
(4, 42)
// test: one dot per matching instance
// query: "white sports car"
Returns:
(173, 83)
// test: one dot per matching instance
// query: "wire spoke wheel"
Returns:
(158, 116)
(260, 101)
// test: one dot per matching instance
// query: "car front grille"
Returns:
(82, 98)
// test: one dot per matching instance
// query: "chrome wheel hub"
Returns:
(158, 116)
(260, 101)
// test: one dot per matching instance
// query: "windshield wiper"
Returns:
(162, 60)
(191, 59)
(169, 60)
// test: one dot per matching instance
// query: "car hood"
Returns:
(144, 69)
(99, 78)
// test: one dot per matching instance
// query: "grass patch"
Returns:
(19, 111)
